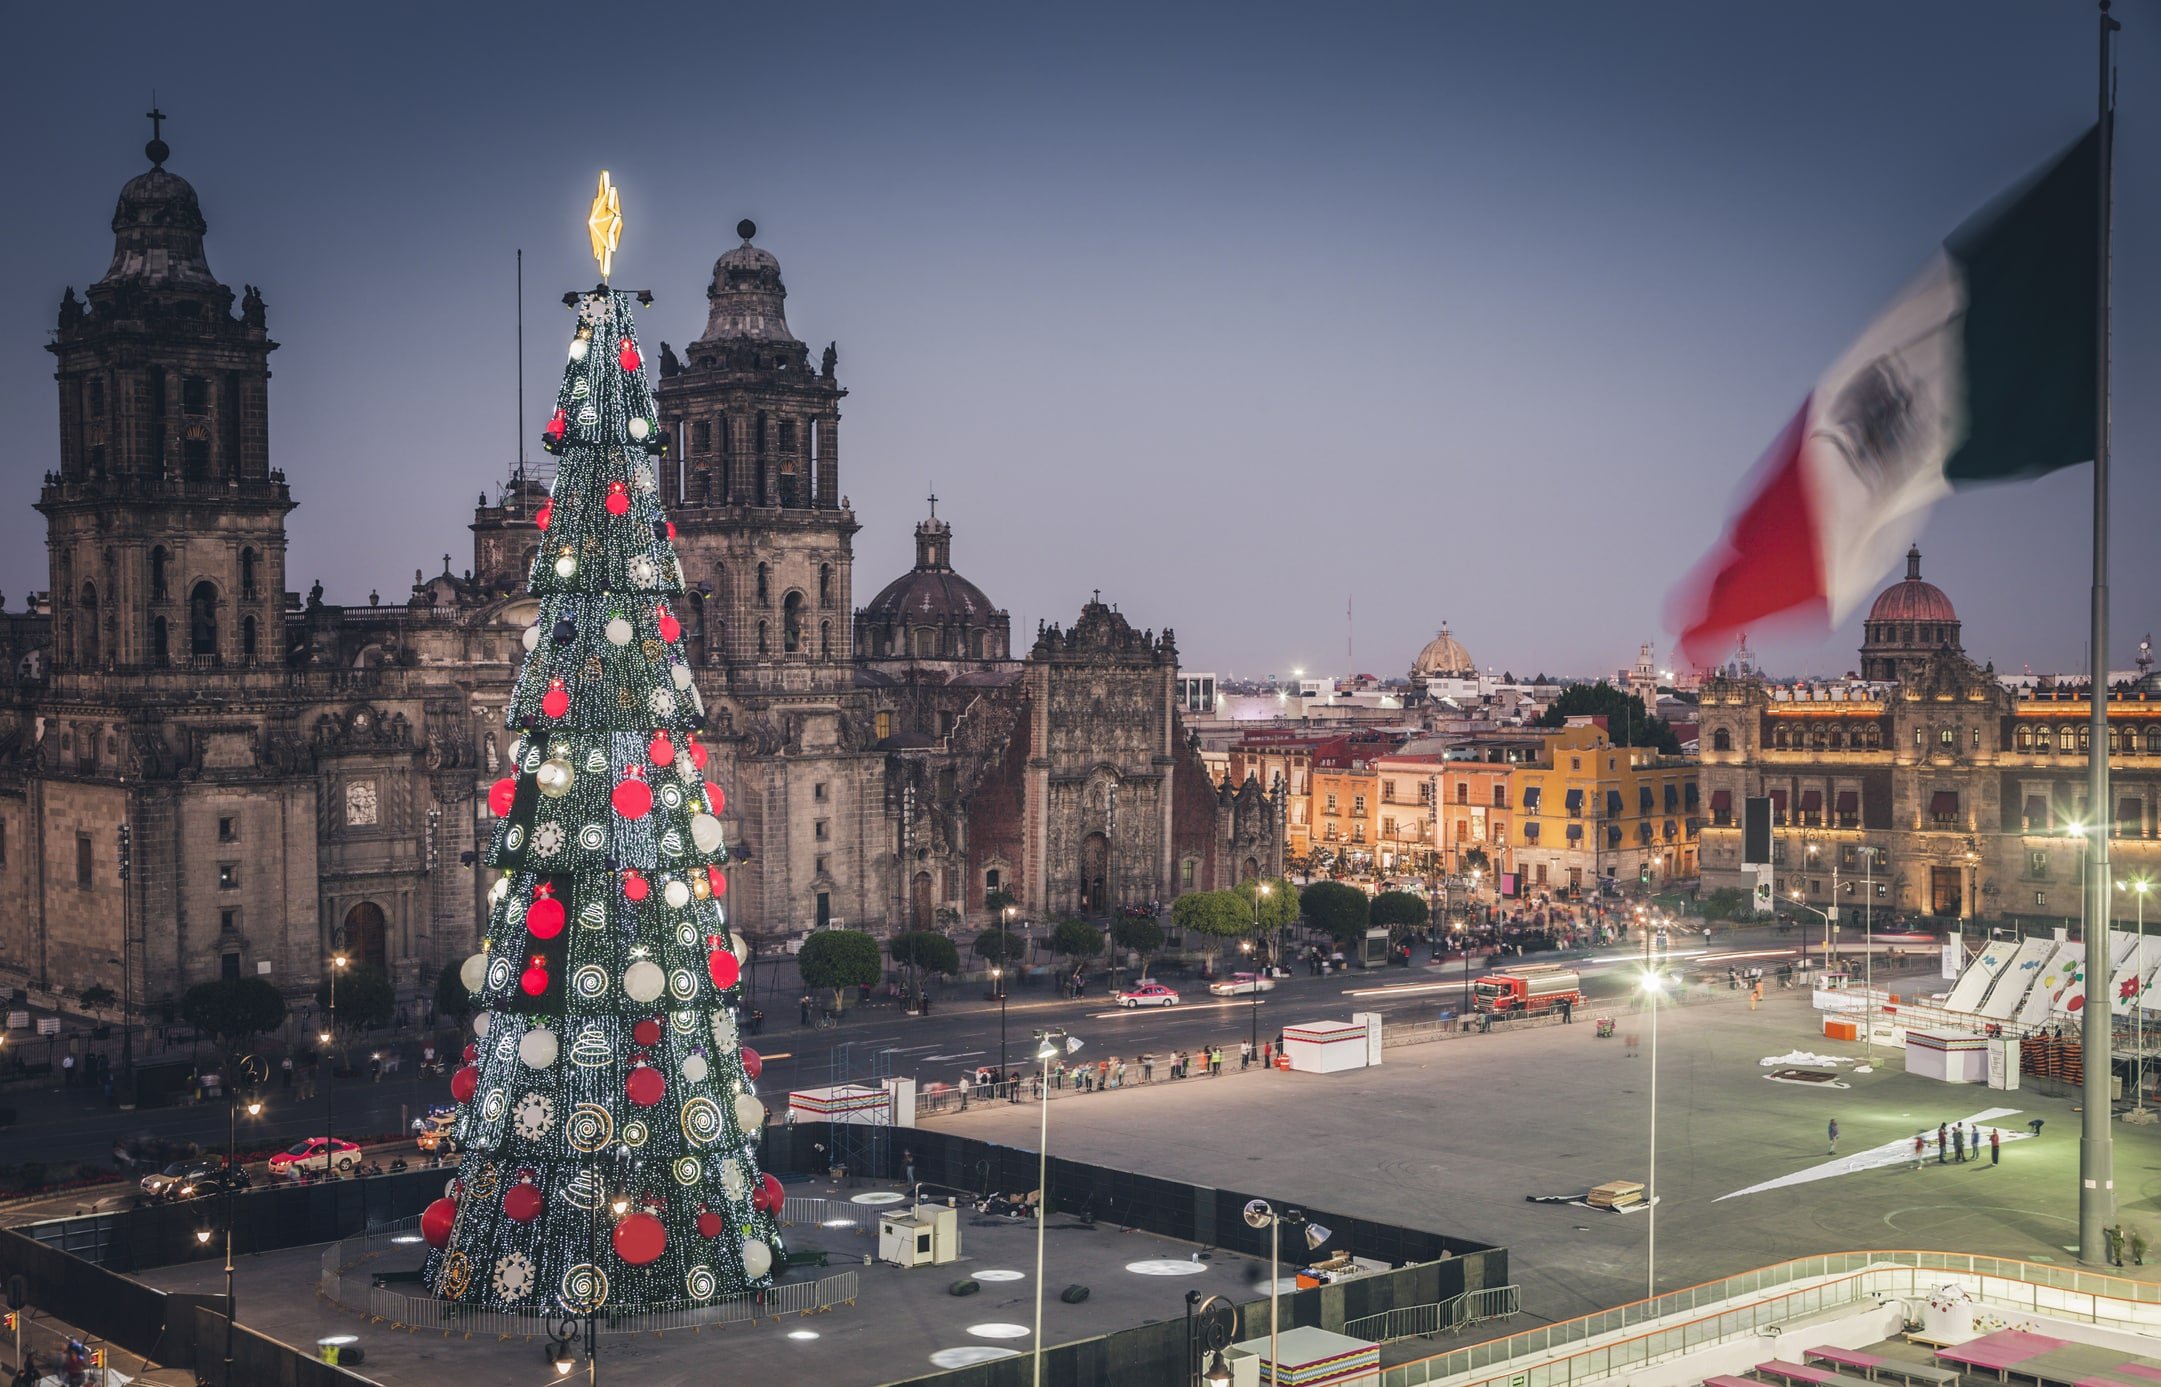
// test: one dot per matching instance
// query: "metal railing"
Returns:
(1665, 1327)
(1424, 1321)
(344, 1281)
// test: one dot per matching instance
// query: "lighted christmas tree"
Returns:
(609, 1117)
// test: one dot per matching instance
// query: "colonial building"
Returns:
(300, 777)
(1589, 812)
(1930, 785)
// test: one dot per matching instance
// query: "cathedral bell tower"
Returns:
(165, 524)
(766, 537)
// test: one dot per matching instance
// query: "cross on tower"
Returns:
(157, 121)
(934, 500)
(157, 149)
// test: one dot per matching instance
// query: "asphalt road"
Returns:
(962, 1031)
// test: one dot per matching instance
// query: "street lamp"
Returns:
(1049, 1045)
(245, 1069)
(1260, 1213)
(1253, 983)
(1830, 917)
(330, 1079)
(1653, 986)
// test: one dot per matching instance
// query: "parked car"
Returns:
(433, 1132)
(1147, 994)
(315, 1153)
(1242, 985)
(178, 1173)
(210, 1183)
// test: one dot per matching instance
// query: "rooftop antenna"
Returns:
(521, 366)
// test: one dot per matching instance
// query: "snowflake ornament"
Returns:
(513, 1275)
(548, 839)
(535, 1117)
(662, 702)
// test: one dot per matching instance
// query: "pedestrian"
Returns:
(67, 1071)
(964, 1087)
(1268, 1056)
(804, 1007)
(1245, 1055)
(1943, 1138)
(1920, 1148)
(285, 1073)
(907, 1166)
(1958, 1144)
(1834, 1136)
(1733, 980)
(1148, 1068)
(1995, 1146)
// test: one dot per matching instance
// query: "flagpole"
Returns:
(2096, 1160)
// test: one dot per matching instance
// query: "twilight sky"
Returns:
(1477, 312)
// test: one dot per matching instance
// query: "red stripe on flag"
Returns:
(1768, 565)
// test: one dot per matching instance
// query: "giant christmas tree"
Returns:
(609, 1117)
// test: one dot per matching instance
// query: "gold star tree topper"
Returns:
(605, 222)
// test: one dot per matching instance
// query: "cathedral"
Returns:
(297, 778)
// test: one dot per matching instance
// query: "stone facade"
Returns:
(300, 777)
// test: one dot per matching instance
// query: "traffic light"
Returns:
(1643, 875)
(14, 1317)
(97, 1359)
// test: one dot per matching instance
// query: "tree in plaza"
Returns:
(1269, 911)
(1628, 722)
(1216, 915)
(1138, 935)
(233, 1009)
(1398, 910)
(922, 953)
(1076, 939)
(839, 959)
(366, 998)
(1336, 910)
(999, 947)
(1476, 860)
(998, 898)
(607, 1109)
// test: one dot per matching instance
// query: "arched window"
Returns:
(247, 638)
(765, 593)
(160, 644)
(1721, 740)
(764, 644)
(825, 640)
(2153, 740)
(791, 624)
(2066, 739)
(203, 620)
(981, 644)
(825, 585)
(159, 559)
(247, 574)
(1779, 738)
(89, 620)
(926, 643)
(2024, 737)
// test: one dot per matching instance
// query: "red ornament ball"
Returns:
(618, 502)
(556, 701)
(465, 1083)
(470, 1053)
(522, 1202)
(769, 1196)
(716, 799)
(722, 968)
(639, 1239)
(635, 887)
(557, 423)
(502, 795)
(437, 1220)
(753, 1063)
(644, 1086)
(545, 916)
(670, 628)
(660, 751)
(633, 798)
(545, 514)
(718, 880)
(646, 1032)
(697, 754)
(626, 355)
(671, 530)
(710, 1224)
(534, 979)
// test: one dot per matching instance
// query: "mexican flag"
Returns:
(1982, 370)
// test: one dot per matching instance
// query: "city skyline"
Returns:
(1182, 285)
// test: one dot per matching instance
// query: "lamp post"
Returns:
(330, 1077)
(1049, 1045)
(1830, 917)
(2139, 886)
(1259, 1213)
(245, 1068)
(1005, 961)
(1653, 987)
(1248, 946)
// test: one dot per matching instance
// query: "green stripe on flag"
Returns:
(2031, 263)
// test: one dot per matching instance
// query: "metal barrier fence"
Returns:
(1425, 1321)
(1839, 1279)
(346, 1282)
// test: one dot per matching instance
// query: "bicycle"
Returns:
(827, 1021)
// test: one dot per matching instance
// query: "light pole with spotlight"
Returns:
(247, 1070)
(2138, 886)
(330, 1077)
(1653, 986)
(1049, 1045)
(1259, 1213)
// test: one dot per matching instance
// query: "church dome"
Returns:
(746, 298)
(1443, 657)
(1913, 599)
(158, 230)
(931, 612)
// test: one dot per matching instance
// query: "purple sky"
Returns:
(1479, 313)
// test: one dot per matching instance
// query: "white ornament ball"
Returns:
(481, 1023)
(705, 832)
(731, 1177)
(617, 631)
(639, 428)
(681, 675)
(741, 948)
(565, 565)
(531, 637)
(694, 1068)
(676, 893)
(757, 1258)
(538, 1048)
(749, 1113)
(578, 348)
(644, 980)
(474, 971)
(554, 777)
